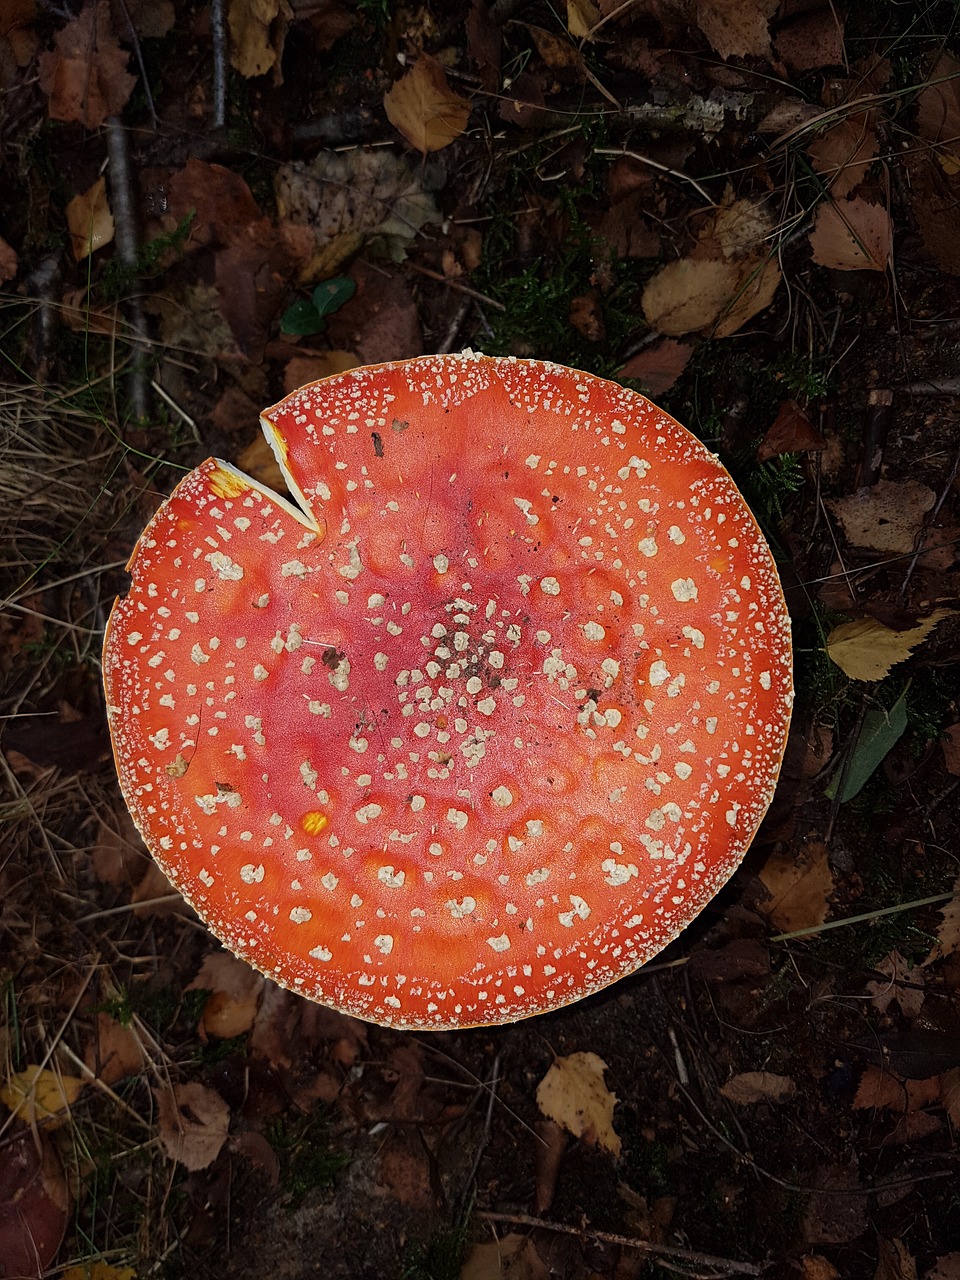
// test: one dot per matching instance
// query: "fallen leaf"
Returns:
(792, 432)
(880, 732)
(758, 1086)
(423, 107)
(513, 1258)
(950, 1093)
(895, 1260)
(582, 17)
(8, 261)
(90, 220)
(880, 1090)
(915, 1126)
(938, 110)
(843, 154)
(85, 77)
(34, 1205)
(193, 1122)
(483, 44)
(219, 199)
(852, 235)
(837, 1213)
(688, 295)
(16, 27)
(152, 19)
(626, 229)
(657, 368)
(799, 885)
(551, 1147)
(950, 745)
(191, 320)
(737, 28)
(758, 281)
(886, 517)
(559, 54)
(737, 227)
(948, 934)
(574, 1095)
(78, 314)
(235, 989)
(360, 196)
(867, 650)
(904, 986)
(258, 30)
(817, 1267)
(97, 1270)
(303, 369)
(812, 39)
(946, 1267)
(114, 1052)
(38, 1094)
(251, 275)
(380, 322)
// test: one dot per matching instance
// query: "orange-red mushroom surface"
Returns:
(482, 726)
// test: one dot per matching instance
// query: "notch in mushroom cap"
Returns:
(481, 723)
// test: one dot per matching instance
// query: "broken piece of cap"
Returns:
(479, 725)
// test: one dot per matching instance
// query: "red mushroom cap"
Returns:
(481, 728)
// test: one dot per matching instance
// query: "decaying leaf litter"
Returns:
(749, 210)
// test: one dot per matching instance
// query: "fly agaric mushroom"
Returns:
(482, 723)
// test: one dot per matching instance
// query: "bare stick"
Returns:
(219, 32)
(125, 222)
(722, 1266)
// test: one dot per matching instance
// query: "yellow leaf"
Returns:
(574, 1095)
(258, 29)
(582, 17)
(758, 282)
(90, 220)
(866, 649)
(38, 1094)
(949, 162)
(97, 1271)
(424, 108)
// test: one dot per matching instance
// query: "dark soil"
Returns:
(358, 1152)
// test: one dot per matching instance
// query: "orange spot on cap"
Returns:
(314, 822)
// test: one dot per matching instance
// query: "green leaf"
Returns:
(332, 294)
(302, 319)
(879, 734)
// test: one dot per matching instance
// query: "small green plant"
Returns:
(118, 277)
(304, 318)
(440, 1257)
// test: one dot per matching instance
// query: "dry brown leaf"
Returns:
(90, 220)
(852, 235)
(737, 28)
(838, 1211)
(34, 1204)
(77, 313)
(658, 367)
(738, 227)
(844, 153)
(574, 1095)
(193, 1122)
(16, 27)
(886, 517)
(799, 885)
(152, 19)
(759, 279)
(8, 261)
(423, 107)
(115, 1051)
(879, 1090)
(948, 934)
(758, 1086)
(39, 1095)
(85, 77)
(950, 1093)
(816, 1267)
(688, 295)
(259, 462)
(946, 1267)
(867, 650)
(258, 29)
(792, 432)
(904, 986)
(895, 1260)
(219, 199)
(303, 369)
(938, 111)
(513, 1258)
(587, 317)
(811, 40)
(235, 989)
(950, 745)
(559, 54)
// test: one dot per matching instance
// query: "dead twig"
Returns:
(719, 1266)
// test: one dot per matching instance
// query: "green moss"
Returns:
(308, 1160)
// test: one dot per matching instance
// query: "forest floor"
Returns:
(751, 213)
